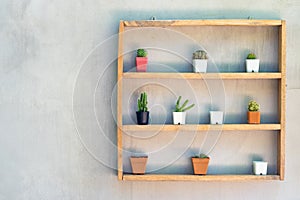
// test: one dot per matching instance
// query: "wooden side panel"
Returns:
(119, 101)
(282, 97)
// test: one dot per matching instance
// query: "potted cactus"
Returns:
(216, 117)
(200, 164)
(141, 60)
(138, 164)
(253, 112)
(252, 63)
(142, 114)
(200, 61)
(179, 113)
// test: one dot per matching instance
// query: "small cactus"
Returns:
(251, 56)
(202, 155)
(141, 53)
(142, 103)
(200, 54)
(253, 106)
(184, 106)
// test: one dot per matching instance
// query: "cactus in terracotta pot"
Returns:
(200, 164)
(253, 112)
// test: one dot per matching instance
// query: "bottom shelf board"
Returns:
(186, 177)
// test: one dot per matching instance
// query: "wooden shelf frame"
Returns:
(281, 76)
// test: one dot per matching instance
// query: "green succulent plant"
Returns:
(141, 53)
(253, 106)
(183, 107)
(202, 155)
(142, 102)
(200, 54)
(251, 56)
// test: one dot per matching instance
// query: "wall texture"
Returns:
(57, 137)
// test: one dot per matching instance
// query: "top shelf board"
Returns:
(219, 22)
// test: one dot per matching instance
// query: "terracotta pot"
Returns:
(200, 165)
(253, 117)
(141, 64)
(138, 164)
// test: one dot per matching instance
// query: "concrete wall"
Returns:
(57, 97)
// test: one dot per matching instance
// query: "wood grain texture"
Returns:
(142, 75)
(179, 177)
(203, 127)
(282, 99)
(119, 101)
(217, 22)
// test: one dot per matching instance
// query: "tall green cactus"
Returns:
(142, 103)
(183, 107)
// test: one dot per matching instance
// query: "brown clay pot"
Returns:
(200, 165)
(253, 117)
(138, 164)
(141, 64)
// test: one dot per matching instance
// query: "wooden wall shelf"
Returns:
(279, 75)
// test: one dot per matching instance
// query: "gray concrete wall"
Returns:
(57, 97)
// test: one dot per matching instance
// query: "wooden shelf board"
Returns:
(211, 22)
(166, 75)
(185, 177)
(202, 127)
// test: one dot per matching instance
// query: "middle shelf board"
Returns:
(166, 75)
(202, 127)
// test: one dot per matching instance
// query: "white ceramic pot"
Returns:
(260, 167)
(216, 117)
(252, 65)
(179, 117)
(199, 65)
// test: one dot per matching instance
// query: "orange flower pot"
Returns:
(200, 165)
(138, 164)
(141, 64)
(253, 117)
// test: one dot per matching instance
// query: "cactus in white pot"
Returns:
(252, 63)
(179, 113)
(200, 59)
